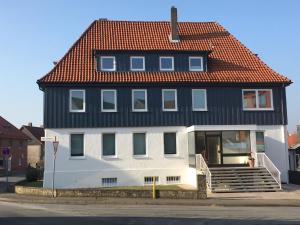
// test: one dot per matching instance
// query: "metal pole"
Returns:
(6, 172)
(154, 188)
(53, 192)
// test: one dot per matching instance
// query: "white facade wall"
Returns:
(88, 171)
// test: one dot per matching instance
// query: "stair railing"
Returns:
(263, 160)
(202, 166)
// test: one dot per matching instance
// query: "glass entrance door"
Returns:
(213, 144)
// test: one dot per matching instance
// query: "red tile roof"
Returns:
(229, 60)
(9, 131)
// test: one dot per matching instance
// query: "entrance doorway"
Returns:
(213, 143)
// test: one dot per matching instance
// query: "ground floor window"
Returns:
(170, 143)
(260, 141)
(139, 144)
(108, 144)
(77, 145)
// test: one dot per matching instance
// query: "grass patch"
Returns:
(25, 183)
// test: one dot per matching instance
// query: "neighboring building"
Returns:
(131, 100)
(35, 147)
(292, 140)
(12, 138)
(298, 133)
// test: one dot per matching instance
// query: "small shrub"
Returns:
(32, 174)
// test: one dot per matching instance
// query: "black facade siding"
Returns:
(181, 59)
(224, 108)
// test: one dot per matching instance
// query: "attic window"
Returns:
(108, 63)
(196, 63)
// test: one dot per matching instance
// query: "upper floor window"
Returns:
(108, 63)
(196, 63)
(166, 63)
(261, 99)
(139, 100)
(137, 63)
(199, 100)
(109, 100)
(77, 100)
(77, 145)
(169, 99)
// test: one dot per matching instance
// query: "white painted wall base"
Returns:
(89, 170)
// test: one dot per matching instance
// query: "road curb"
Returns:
(122, 201)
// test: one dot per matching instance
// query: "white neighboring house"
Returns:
(130, 101)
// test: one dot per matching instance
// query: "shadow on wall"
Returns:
(276, 151)
(88, 172)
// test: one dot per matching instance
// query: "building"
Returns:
(292, 139)
(132, 99)
(35, 147)
(12, 138)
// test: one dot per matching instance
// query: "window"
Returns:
(108, 63)
(108, 145)
(260, 141)
(77, 145)
(137, 63)
(109, 100)
(261, 99)
(196, 63)
(170, 143)
(199, 100)
(139, 100)
(169, 100)
(109, 182)
(166, 63)
(173, 179)
(149, 180)
(236, 142)
(139, 144)
(77, 100)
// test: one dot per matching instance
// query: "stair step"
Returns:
(246, 185)
(245, 190)
(239, 182)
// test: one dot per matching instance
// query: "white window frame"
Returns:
(166, 57)
(132, 100)
(205, 98)
(70, 101)
(116, 147)
(146, 142)
(115, 99)
(257, 108)
(108, 57)
(77, 157)
(196, 57)
(137, 57)
(163, 102)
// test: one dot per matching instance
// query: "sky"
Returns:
(34, 33)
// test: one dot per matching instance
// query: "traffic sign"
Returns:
(47, 138)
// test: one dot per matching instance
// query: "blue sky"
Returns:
(35, 33)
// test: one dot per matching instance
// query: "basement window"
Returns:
(173, 179)
(149, 180)
(109, 182)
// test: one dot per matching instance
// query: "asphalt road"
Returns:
(32, 214)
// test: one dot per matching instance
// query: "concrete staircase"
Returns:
(242, 179)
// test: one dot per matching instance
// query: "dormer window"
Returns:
(108, 63)
(166, 63)
(196, 63)
(137, 63)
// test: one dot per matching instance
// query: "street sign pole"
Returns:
(55, 148)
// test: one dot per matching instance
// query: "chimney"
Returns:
(174, 37)
(30, 124)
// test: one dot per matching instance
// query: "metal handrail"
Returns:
(264, 161)
(202, 166)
